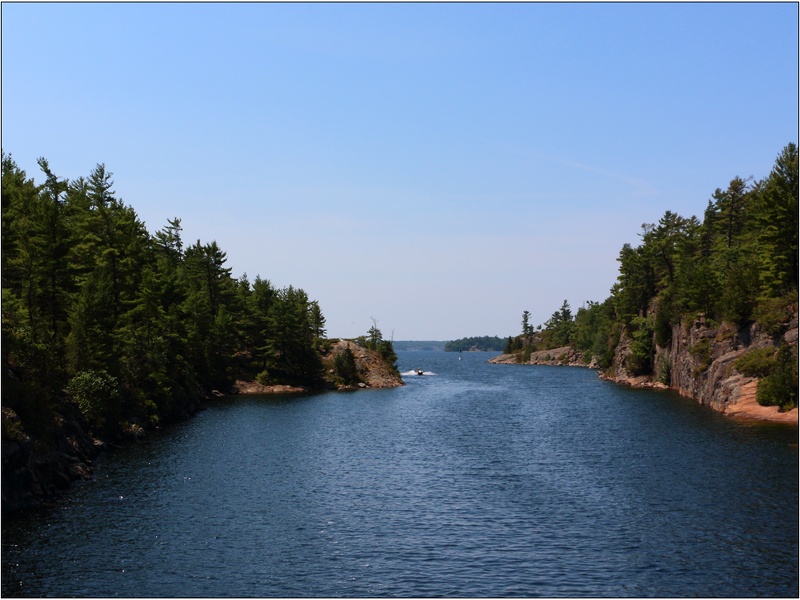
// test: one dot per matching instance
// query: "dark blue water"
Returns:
(481, 480)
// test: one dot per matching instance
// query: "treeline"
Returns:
(738, 265)
(133, 326)
(484, 343)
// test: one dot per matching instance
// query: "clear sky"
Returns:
(439, 167)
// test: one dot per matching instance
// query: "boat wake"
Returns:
(416, 373)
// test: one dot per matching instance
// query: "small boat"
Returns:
(419, 372)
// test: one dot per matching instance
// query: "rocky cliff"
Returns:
(373, 371)
(699, 363)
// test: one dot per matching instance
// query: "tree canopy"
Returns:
(739, 265)
(134, 326)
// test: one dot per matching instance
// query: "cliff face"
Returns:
(699, 363)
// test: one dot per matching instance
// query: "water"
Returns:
(477, 480)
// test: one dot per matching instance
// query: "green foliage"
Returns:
(136, 326)
(374, 341)
(513, 344)
(561, 326)
(739, 264)
(662, 326)
(344, 367)
(757, 362)
(640, 361)
(386, 350)
(777, 232)
(745, 250)
(702, 352)
(772, 314)
(290, 353)
(595, 332)
(97, 395)
(779, 388)
(664, 372)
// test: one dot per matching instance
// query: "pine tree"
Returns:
(778, 219)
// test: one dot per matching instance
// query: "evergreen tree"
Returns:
(778, 231)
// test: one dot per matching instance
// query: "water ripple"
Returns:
(484, 481)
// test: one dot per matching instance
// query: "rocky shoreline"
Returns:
(709, 378)
(372, 369)
(34, 474)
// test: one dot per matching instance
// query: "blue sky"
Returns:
(439, 167)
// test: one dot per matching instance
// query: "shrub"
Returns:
(264, 378)
(97, 395)
(779, 388)
(756, 363)
(664, 373)
(663, 323)
(386, 350)
(344, 367)
(702, 352)
(771, 314)
(513, 344)
(640, 361)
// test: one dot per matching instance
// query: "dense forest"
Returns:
(132, 327)
(482, 343)
(738, 265)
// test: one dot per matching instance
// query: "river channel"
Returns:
(473, 480)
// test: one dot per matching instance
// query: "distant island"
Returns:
(476, 344)
(419, 345)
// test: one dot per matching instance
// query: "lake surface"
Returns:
(478, 480)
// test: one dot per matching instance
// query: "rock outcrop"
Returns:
(565, 356)
(699, 364)
(373, 370)
(242, 386)
(34, 473)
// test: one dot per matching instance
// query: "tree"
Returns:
(527, 328)
(374, 335)
(344, 366)
(561, 326)
(731, 206)
(29, 223)
(95, 305)
(291, 351)
(779, 388)
(778, 221)
(317, 319)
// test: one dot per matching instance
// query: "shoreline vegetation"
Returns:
(484, 343)
(110, 331)
(707, 308)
